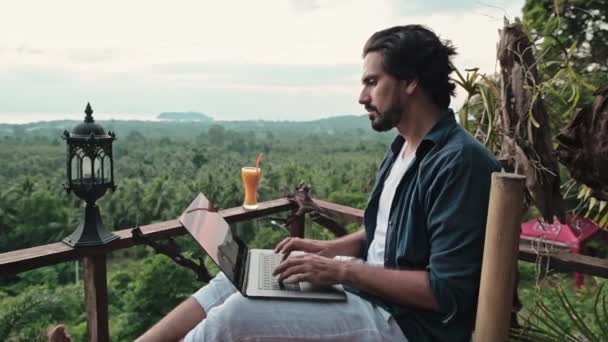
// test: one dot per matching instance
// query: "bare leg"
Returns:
(176, 324)
(58, 334)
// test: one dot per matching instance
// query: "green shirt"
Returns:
(437, 223)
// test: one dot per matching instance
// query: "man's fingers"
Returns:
(296, 278)
(282, 266)
(286, 247)
(325, 253)
(291, 262)
(293, 244)
(303, 268)
(279, 245)
(282, 244)
(285, 256)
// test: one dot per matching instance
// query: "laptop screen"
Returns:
(213, 234)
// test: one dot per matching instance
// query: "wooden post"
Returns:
(500, 258)
(297, 227)
(96, 298)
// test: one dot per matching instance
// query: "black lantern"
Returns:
(90, 173)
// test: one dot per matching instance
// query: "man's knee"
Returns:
(236, 307)
(228, 320)
(237, 315)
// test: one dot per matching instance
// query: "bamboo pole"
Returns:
(499, 258)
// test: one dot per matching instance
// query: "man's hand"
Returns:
(290, 244)
(313, 268)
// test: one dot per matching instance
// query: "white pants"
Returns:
(232, 317)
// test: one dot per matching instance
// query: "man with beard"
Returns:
(424, 225)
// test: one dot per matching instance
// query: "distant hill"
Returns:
(336, 124)
(184, 116)
(176, 126)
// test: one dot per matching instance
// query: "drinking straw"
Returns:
(258, 161)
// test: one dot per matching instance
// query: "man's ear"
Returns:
(409, 87)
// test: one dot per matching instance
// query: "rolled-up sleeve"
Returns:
(456, 204)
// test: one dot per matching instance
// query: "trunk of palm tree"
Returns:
(522, 124)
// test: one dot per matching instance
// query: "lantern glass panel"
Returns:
(107, 176)
(86, 168)
(75, 168)
(98, 170)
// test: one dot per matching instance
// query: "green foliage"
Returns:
(561, 24)
(159, 169)
(159, 172)
(350, 199)
(478, 111)
(558, 312)
(568, 39)
(317, 232)
(148, 293)
(60, 274)
(27, 316)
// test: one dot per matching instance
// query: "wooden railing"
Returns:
(94, 258)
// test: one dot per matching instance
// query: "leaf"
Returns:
(489, 105)
(583, 192)
(592, 88)
(530, 112)
(550, 321)
(464, 115)
(551, 90)
(592, 202)
(573, 91)
(533, 120)
(576, 318)
(459, 83)
(603, 222)
(552, 63)
(602, 206)
(598, 318)
(604, 310)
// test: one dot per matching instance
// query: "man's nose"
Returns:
(364, 98)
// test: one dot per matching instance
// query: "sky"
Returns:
(233, 60)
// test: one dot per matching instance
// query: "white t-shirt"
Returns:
(375, 253)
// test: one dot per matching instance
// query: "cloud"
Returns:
(258, 74)
(259, 95)
(218, 57)
(26, 50)
(493, 8)
(304, 5)
(92, 55)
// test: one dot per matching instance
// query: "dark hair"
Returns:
(415, 52)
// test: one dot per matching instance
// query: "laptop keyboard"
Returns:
(268, 262)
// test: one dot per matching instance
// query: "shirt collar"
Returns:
(434, 136)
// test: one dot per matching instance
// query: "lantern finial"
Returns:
(89, 112)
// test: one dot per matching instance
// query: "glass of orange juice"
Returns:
(251, 178)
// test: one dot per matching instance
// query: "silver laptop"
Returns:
(250, 270)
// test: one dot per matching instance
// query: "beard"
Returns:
(387, 120)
